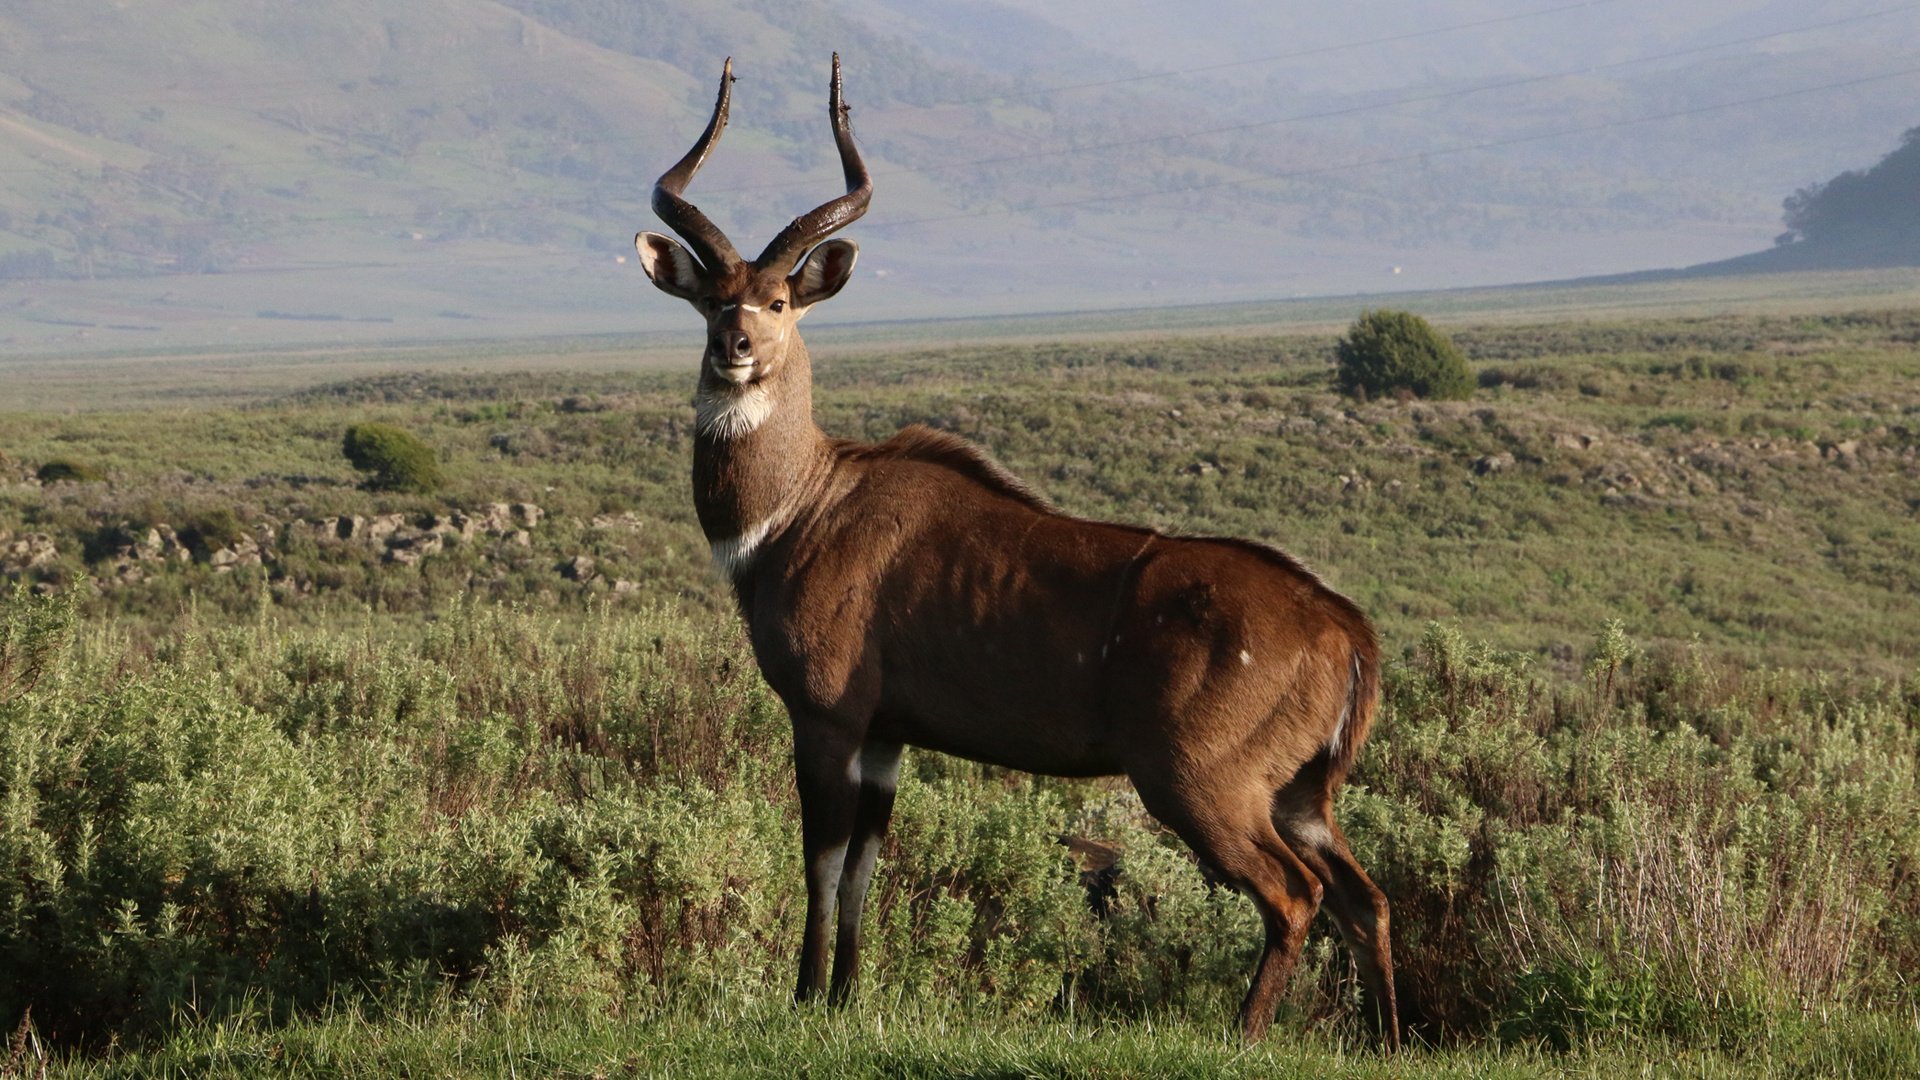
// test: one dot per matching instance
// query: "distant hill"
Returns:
(1859, 220)
(228, 171)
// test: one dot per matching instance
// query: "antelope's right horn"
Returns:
(706, 239)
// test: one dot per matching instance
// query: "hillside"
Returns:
(1859, 220)
(348, 171)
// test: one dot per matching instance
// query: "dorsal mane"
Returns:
(1356, 618)
(917, 442)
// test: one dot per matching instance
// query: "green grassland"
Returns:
(1746, 480)
(1642, 791)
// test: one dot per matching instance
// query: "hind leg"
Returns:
(1236, 836)
(1303, 815)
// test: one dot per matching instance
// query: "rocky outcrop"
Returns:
(408, 541)
(25, 552)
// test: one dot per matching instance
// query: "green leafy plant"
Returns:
(396, 459)
(1389, 351)
(64, 469)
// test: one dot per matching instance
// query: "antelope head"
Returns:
(752, 308)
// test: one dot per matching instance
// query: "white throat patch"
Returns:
(732, 557)
(731, 414)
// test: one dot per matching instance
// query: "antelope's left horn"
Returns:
(811, 228)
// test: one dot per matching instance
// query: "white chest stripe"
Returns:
(733, 557)
(730, 416)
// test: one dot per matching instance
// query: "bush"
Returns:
(62, 469)
(1386, 351)
(397, 460)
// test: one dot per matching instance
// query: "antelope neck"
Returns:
(749, 486)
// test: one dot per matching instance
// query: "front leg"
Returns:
(879, 774)
(827, 768)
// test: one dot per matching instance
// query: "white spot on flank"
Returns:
(1245, 657)
(731, 414)
(733, 557)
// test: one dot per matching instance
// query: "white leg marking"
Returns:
(879, 765)
(1310, 831)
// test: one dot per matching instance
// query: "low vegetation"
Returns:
(393, 459)
(299, 775)
(1398, 352)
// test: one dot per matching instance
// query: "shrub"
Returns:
(397, 460)
(1386, 351)
(63, 469)
(214, 528)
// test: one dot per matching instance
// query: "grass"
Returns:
(1747, 480)
(731, 1039)
(1642, 790)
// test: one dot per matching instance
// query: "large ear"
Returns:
(671, 266)
(823, 272)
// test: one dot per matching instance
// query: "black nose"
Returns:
(735, 344)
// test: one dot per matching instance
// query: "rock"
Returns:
(171, 549)
(1493, 463)
(454, 524)
(29, 551)
(622, 586)
(579, 568)
(350, 527)
(385, 525)
(1200, 468)
(521, 537)
(527, 514)
(411, 546)
(495, 519)
(629, 521)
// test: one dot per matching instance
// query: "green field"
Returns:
(507, 798)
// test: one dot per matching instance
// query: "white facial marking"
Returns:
(733, 557)
(732, 414)
(1245, 657)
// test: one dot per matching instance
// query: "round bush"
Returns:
(396, 460)
(62, 469)
(1388, 351)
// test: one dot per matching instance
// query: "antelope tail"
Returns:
(1356, 714)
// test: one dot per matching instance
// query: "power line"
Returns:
(564, 204)
(1096, 200)
(1331, 113)
(1397, 159)
(1120, 144)
(1318, 51)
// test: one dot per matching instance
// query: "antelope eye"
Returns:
(777, 306)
